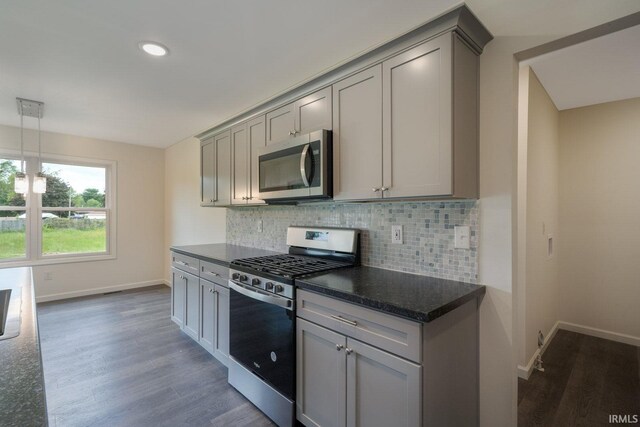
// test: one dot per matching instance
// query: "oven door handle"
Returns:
(303, 165)
(254, 294)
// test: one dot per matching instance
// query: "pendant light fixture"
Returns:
(30, 108)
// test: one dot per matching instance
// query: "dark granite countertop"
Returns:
(420, 298)
(221, 253)
(22, 397)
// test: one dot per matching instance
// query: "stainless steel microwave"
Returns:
(296, 169)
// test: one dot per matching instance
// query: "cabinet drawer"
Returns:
(185, 263)
(214, 272)
(393, 334)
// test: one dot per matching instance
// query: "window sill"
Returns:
(57, 260)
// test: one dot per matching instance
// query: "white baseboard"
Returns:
(94, 291)
(600, 333)
(525, 371)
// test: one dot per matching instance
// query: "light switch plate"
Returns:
(396, 234)
(463, 236)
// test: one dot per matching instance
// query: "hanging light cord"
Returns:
(39, 144)
(21, 140)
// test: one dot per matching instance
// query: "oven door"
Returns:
(262, 335)
(296, 169)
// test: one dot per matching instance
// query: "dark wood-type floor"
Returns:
(118, 360)
(585, 380)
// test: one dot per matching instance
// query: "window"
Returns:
(72, 221)
(13, 212)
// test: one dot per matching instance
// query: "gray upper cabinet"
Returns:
(430, 143)
(207, 172)
(305, 115)
(215, 170)
(239, 170)
(417, 121)
(281, 124)
(404, 116)
(246, 139)
(313, 112)
(357, 136)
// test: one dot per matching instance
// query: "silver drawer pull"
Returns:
(348, 350)
(339, 347)
(210, 272)
(186, 264)
(343, 320)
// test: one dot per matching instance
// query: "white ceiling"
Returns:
(81, 58)
(601, 70)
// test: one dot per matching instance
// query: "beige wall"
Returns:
(600, 209)
(186, 222)
(542, 291)
(140, 216)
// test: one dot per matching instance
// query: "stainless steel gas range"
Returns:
(262, 314)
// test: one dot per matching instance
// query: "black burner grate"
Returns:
(289, 265)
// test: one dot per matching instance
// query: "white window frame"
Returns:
(34, 209)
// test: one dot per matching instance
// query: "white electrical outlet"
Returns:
(463, 236)
(259, 226)
(396, 234)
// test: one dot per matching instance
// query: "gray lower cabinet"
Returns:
(191, 325)
(214, 319)
(344, 382)
(200, 304)
(178, 283)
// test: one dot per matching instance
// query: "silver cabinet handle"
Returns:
(182, 277)
(210, 272)
(292, 133)
(348, 350)
(339, 347)
(343, 320)
(186, 264)
(375, 189)
(385, 189)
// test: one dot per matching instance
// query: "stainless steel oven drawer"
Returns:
(394, 334)
(215, 273)
(185, 263)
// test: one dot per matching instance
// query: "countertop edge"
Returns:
(390, 308)
(199, 256)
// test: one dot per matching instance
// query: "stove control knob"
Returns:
(243, 278)
(255, 282)
(269, 286)
(279, 288)
(235, 276)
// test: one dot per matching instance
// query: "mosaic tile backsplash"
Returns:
(428, 232)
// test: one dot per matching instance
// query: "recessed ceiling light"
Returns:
(153, 48)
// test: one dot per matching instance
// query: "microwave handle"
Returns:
(303, 165)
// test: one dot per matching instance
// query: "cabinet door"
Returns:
(207, 172)
(280, 124)
(417, 149)
(177, 296)
(208, 316)
(223, 168)
(382, 389)
(313, 112)
(321, 376)
(221, 350)
(357, 136)
(191, 325)
(256, 135)
(239, 163)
